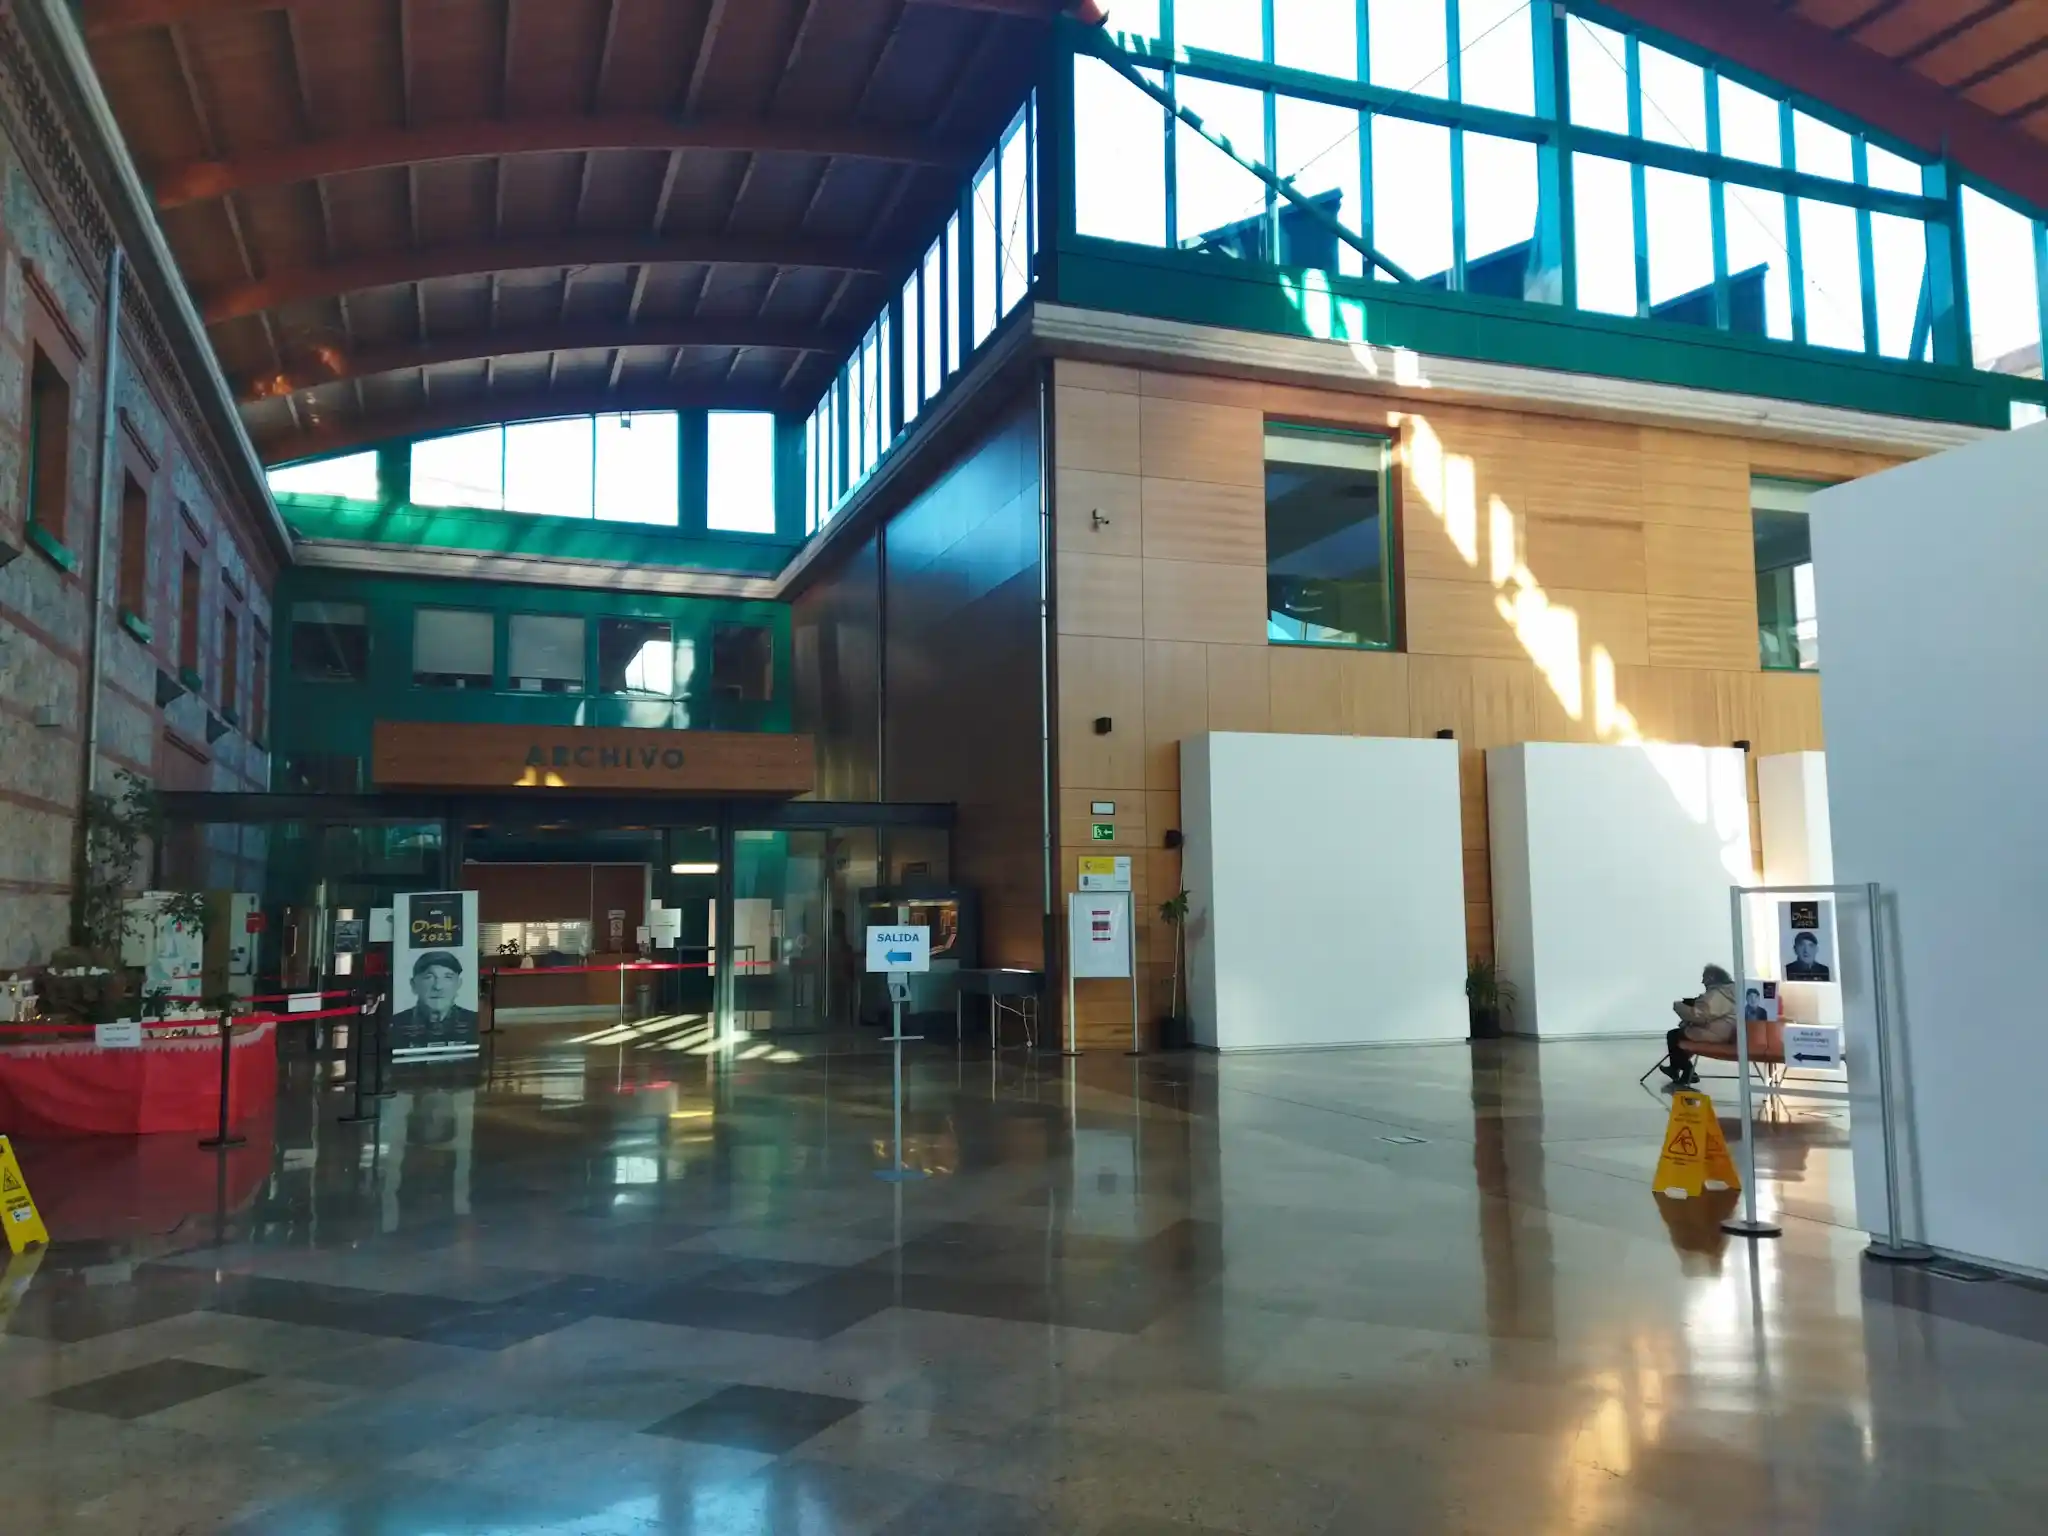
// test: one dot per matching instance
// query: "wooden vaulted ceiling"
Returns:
(400, 216)
(1991, 53)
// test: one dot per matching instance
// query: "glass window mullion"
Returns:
(1557, 238)
(1270, 158)
(1455, 84)
(1866, 247)
(1638, 188)
(1363, 30)
(1717, 204)
(1795, 266)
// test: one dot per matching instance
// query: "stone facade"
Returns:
(55, 241)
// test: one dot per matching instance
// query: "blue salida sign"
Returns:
(899, 949)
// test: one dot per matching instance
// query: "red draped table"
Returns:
(168, 1083)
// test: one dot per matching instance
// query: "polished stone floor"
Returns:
(604, 1285)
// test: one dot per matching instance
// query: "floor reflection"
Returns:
(604, 1281)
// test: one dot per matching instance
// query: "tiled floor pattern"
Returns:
(607, 1291)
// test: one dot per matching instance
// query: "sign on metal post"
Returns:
(899, 949)
(899, 953)
(1812, 1045)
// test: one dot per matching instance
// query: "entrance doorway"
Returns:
(764, 906)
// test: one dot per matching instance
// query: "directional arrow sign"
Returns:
(899, 949)
(1813, 1045)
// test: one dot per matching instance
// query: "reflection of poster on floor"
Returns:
(1806, 939)
(434, 975)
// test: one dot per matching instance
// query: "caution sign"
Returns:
(17, 1208)
(1695, 1157)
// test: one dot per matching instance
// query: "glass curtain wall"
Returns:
(976, 271)
(1550, 154)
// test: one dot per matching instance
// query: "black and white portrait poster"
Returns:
(1806, 940)
(434, 975)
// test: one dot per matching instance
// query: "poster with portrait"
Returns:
(1806, 940)
(1760, 1003)
(434, 975)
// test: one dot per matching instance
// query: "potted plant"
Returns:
(1173, 1029)
(1489, 998)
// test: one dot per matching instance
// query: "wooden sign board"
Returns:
(433, 755)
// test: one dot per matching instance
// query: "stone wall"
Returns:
(55, 239)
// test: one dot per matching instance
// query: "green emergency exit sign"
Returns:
(1105, 832)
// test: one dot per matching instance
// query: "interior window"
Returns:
(1328, 572)
(453, 648)
(1788, 628)
(330, 642)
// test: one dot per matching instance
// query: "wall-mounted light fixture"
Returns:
(693, 869)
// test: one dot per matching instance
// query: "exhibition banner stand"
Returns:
(1101, 943)
(897, 953)
(1808, 954)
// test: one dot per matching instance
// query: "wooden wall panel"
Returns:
(1192, 520)
(1098, 514)
(1192, 440)
(1224, 604)
(1101, 595)
(1563, 580)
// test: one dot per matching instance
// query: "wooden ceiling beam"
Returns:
(488, 410)
(492, 138)
(231, 301)
(104, 18)
(1810, 59)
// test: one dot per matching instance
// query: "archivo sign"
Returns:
(422, 754)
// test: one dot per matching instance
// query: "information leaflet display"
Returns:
(434, 975)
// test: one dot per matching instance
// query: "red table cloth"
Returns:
(74, 1088)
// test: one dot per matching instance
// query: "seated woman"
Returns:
(1708, 1019)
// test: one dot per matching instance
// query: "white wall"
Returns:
(1931, 582)
(1326, 890)
(1611, 869)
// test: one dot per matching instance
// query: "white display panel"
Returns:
(1611, 869)
(1937, 731)
(1792, 806)
(1326, 890)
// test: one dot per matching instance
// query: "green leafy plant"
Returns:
(115, 829)
(1489, 996)
(1174, 913)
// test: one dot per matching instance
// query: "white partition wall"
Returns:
(1611, 869)
(1326, 890)
(1930, 583)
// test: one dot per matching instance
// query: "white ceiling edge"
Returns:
(528, 570)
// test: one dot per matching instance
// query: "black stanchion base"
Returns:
(221, 1143)
(1137, 1053)
(359, 1119)
(1739, 1227)
(1898, 1253)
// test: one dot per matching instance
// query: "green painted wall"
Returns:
(313, 716)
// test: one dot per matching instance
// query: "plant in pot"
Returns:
(1489, 998)
(1173, 1029)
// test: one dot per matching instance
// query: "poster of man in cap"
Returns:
(434, 975)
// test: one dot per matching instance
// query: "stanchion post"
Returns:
(1748, 1223)
(1895, 1249)
(384, 1090)
(358, 1033)
(1073, 1047)
(898, 1174)
(223, 1138)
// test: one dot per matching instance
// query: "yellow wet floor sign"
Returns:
(1695, 1157)
(17, 1208)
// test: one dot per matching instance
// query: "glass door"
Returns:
(796, 927)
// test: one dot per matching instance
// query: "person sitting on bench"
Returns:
(1706, 1019)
